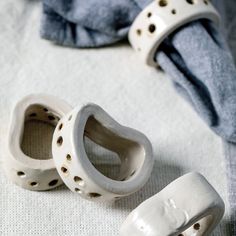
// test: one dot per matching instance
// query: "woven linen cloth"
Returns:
(115, 79)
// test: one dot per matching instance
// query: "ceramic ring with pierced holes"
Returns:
(29, 162)
(74, 166)
(188, 206)
(161, 18)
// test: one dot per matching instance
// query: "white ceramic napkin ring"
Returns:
(161, 18)
(74, 166)
(26, 171)
(186, 207)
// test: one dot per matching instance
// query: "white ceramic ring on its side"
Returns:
(188, 206)
(161, 18)
(74, 166)
(29, 172)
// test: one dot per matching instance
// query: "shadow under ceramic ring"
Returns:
(187, 206)
(74, 166)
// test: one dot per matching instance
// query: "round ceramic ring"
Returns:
(188, 206)
(34, 114)
(76, 169)
(161, 18)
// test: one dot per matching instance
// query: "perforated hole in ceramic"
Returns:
(161, 18)
(29, 162)
(188, 206)
(114, 153)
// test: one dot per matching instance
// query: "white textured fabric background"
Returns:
(132, 93)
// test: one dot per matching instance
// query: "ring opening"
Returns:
(39, 126)
(116, 157)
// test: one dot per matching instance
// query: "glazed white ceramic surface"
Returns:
(189, 206)
(162, 17)
(74, 166)
(23, 170)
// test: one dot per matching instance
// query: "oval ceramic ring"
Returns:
(188, 206)
(74, 166)
(29, 161)
(161, 18)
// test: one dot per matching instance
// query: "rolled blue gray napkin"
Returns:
(203, 72)
(196, 56)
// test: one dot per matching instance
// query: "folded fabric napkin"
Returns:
(196, 56)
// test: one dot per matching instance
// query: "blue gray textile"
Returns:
(87, 23)
(230, 155)
(230, 148)
(196, 56)
(203, 72)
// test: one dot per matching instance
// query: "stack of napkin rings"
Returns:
(186, 206)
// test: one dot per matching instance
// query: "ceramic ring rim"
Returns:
(19, 112)
(116, 186)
